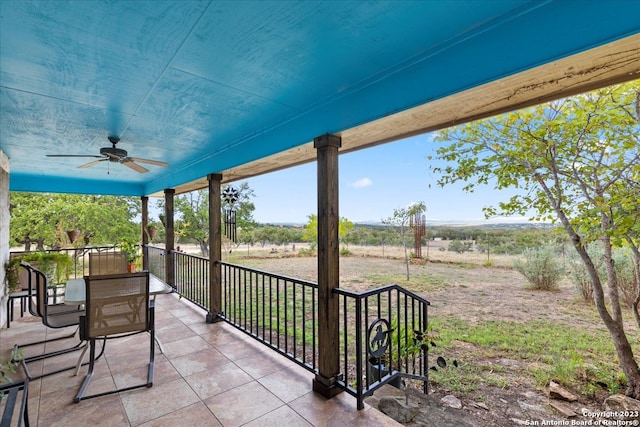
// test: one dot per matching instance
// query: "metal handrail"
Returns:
(388, 325)
(281, 312)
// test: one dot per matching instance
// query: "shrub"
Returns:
(459, 246)
(55, 265)
(307, 251)
(625, 270)
(541, 267)
(627, 279)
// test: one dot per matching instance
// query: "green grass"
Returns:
(422, 282)
(582, 360)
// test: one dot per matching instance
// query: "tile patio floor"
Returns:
(208, 375)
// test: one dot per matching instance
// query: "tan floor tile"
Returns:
(340, 411)
(201, 328)
(215, 381)
(209, 359)
(58, 409)
(221, 334)
(321, 411)
(242, 404)
(288, 384)
(239, 349)
(281, 417)
(164, 372)
(174, 332)
(192, 366)
(59, 404)
(195, 415)
(182, 347)
(146, 404)
(188, 315)
(261, 364)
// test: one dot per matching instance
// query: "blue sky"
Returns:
(373, 182)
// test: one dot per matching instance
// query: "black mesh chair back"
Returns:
(107, 263)
(55, 316)
(117, 306)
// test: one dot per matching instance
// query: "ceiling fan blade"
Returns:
(75, 155)
(95, 162)
(136, 167)
(150, 162)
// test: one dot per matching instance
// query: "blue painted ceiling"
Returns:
(208, 86)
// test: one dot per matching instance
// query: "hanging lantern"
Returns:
(229, 198)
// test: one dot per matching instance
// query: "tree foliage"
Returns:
(575, 161)
(42, 219)
(193, 214)
(311, 230)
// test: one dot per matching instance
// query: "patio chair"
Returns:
(16, 396)
(22, 294)
(107, 263)
(117, 306)
(56, 316)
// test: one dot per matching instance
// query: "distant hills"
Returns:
(498, 223)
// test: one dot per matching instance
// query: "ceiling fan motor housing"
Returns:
(114, 154)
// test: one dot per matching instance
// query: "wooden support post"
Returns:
(169, 238)
(215, 248)
(145, 237)
(328, 267)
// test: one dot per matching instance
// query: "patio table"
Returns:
(74, 293)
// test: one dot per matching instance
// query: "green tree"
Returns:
(344, 228)
(576, 161)
(193, 210)
(43, 219)
(400, 221)
(311, 231)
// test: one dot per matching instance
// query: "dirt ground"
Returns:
(468, 292)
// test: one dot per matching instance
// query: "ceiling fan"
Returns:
(116, 155)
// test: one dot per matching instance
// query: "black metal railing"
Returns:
(279, 311)
(384, 338)
(156, 258)
(192, 278)
(384, 332)
(79, 258)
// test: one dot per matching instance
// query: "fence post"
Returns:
(169, 271)
(215, 248)
(145, 237)
(325, 381)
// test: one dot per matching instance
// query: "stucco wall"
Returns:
(4, 232)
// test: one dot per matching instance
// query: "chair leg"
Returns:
(82, 345)
(9, 312)
(150, 372)
(71, 335)
(79, 363)
(87, 378)
(152, 354)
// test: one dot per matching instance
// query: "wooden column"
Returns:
(328, 266)
(145, 237)
(169, 239)
(215, 248)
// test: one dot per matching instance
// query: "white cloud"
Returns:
(362, 182)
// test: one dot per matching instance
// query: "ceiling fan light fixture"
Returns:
(116, 155)
(113, 152)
